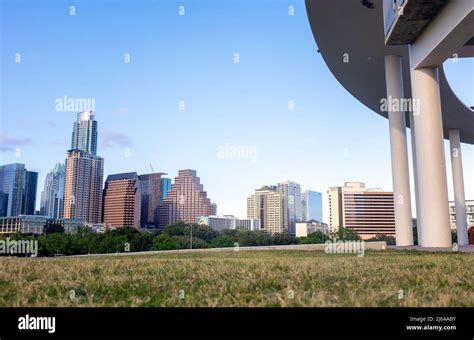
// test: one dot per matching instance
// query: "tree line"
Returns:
(54, 241)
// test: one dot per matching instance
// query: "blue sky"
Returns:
(322, 142)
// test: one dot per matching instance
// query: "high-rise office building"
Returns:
(369, 212)
(18, 188)
(53, 193)
(186, 200)
(122, 200)
(151, 195)
(312, 206)
(164, 188)
(84, 176)
(11, 184)
(270, 207)
(291, 191)
(29, 198)
(84, 135)
(84, 172)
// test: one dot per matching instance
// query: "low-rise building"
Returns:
(229, 222)
(35, 224)
(303, 229)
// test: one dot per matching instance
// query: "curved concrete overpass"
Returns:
(345, 26)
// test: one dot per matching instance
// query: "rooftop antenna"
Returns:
(153, 171)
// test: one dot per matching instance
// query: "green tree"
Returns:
(166, 242)
(112, 243)
(223, 241)
(54, 243)
(93, 241)
(382, 237)
(344, 234)
(185, 242)
(176, 229)
(80, 244)
(283, 238)
(202, 231)
(247, 238)
(263, 238)
(314, 238)
(142, 241)
(128, 232)
(230, 232)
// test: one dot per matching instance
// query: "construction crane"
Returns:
(153, 171)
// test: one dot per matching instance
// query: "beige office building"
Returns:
(270, 207)
(367, 211)
(304, 229)
(122, 201)
(83, 186)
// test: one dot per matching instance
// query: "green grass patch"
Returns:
(245, 278)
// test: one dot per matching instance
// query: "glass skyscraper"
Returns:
(84, 135)
(17, 190)
(53, 193)
(29, 198)
(150, 190)
(312, 203)
(291, 191)
(165, 187)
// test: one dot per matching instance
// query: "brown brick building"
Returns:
(122, 200)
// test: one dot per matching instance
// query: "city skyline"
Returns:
(147, 126)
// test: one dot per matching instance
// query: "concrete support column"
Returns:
(458, 186)
(415, 180)
(399, 153)
(430, 158)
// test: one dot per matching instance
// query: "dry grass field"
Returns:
(245, 278)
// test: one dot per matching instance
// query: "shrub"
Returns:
(382, 237)
(165, 242)
(185, 242)
(223, 241)
(344, 234)
(314, 238)
(283, 238)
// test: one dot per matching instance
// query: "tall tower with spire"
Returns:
(84, 172)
